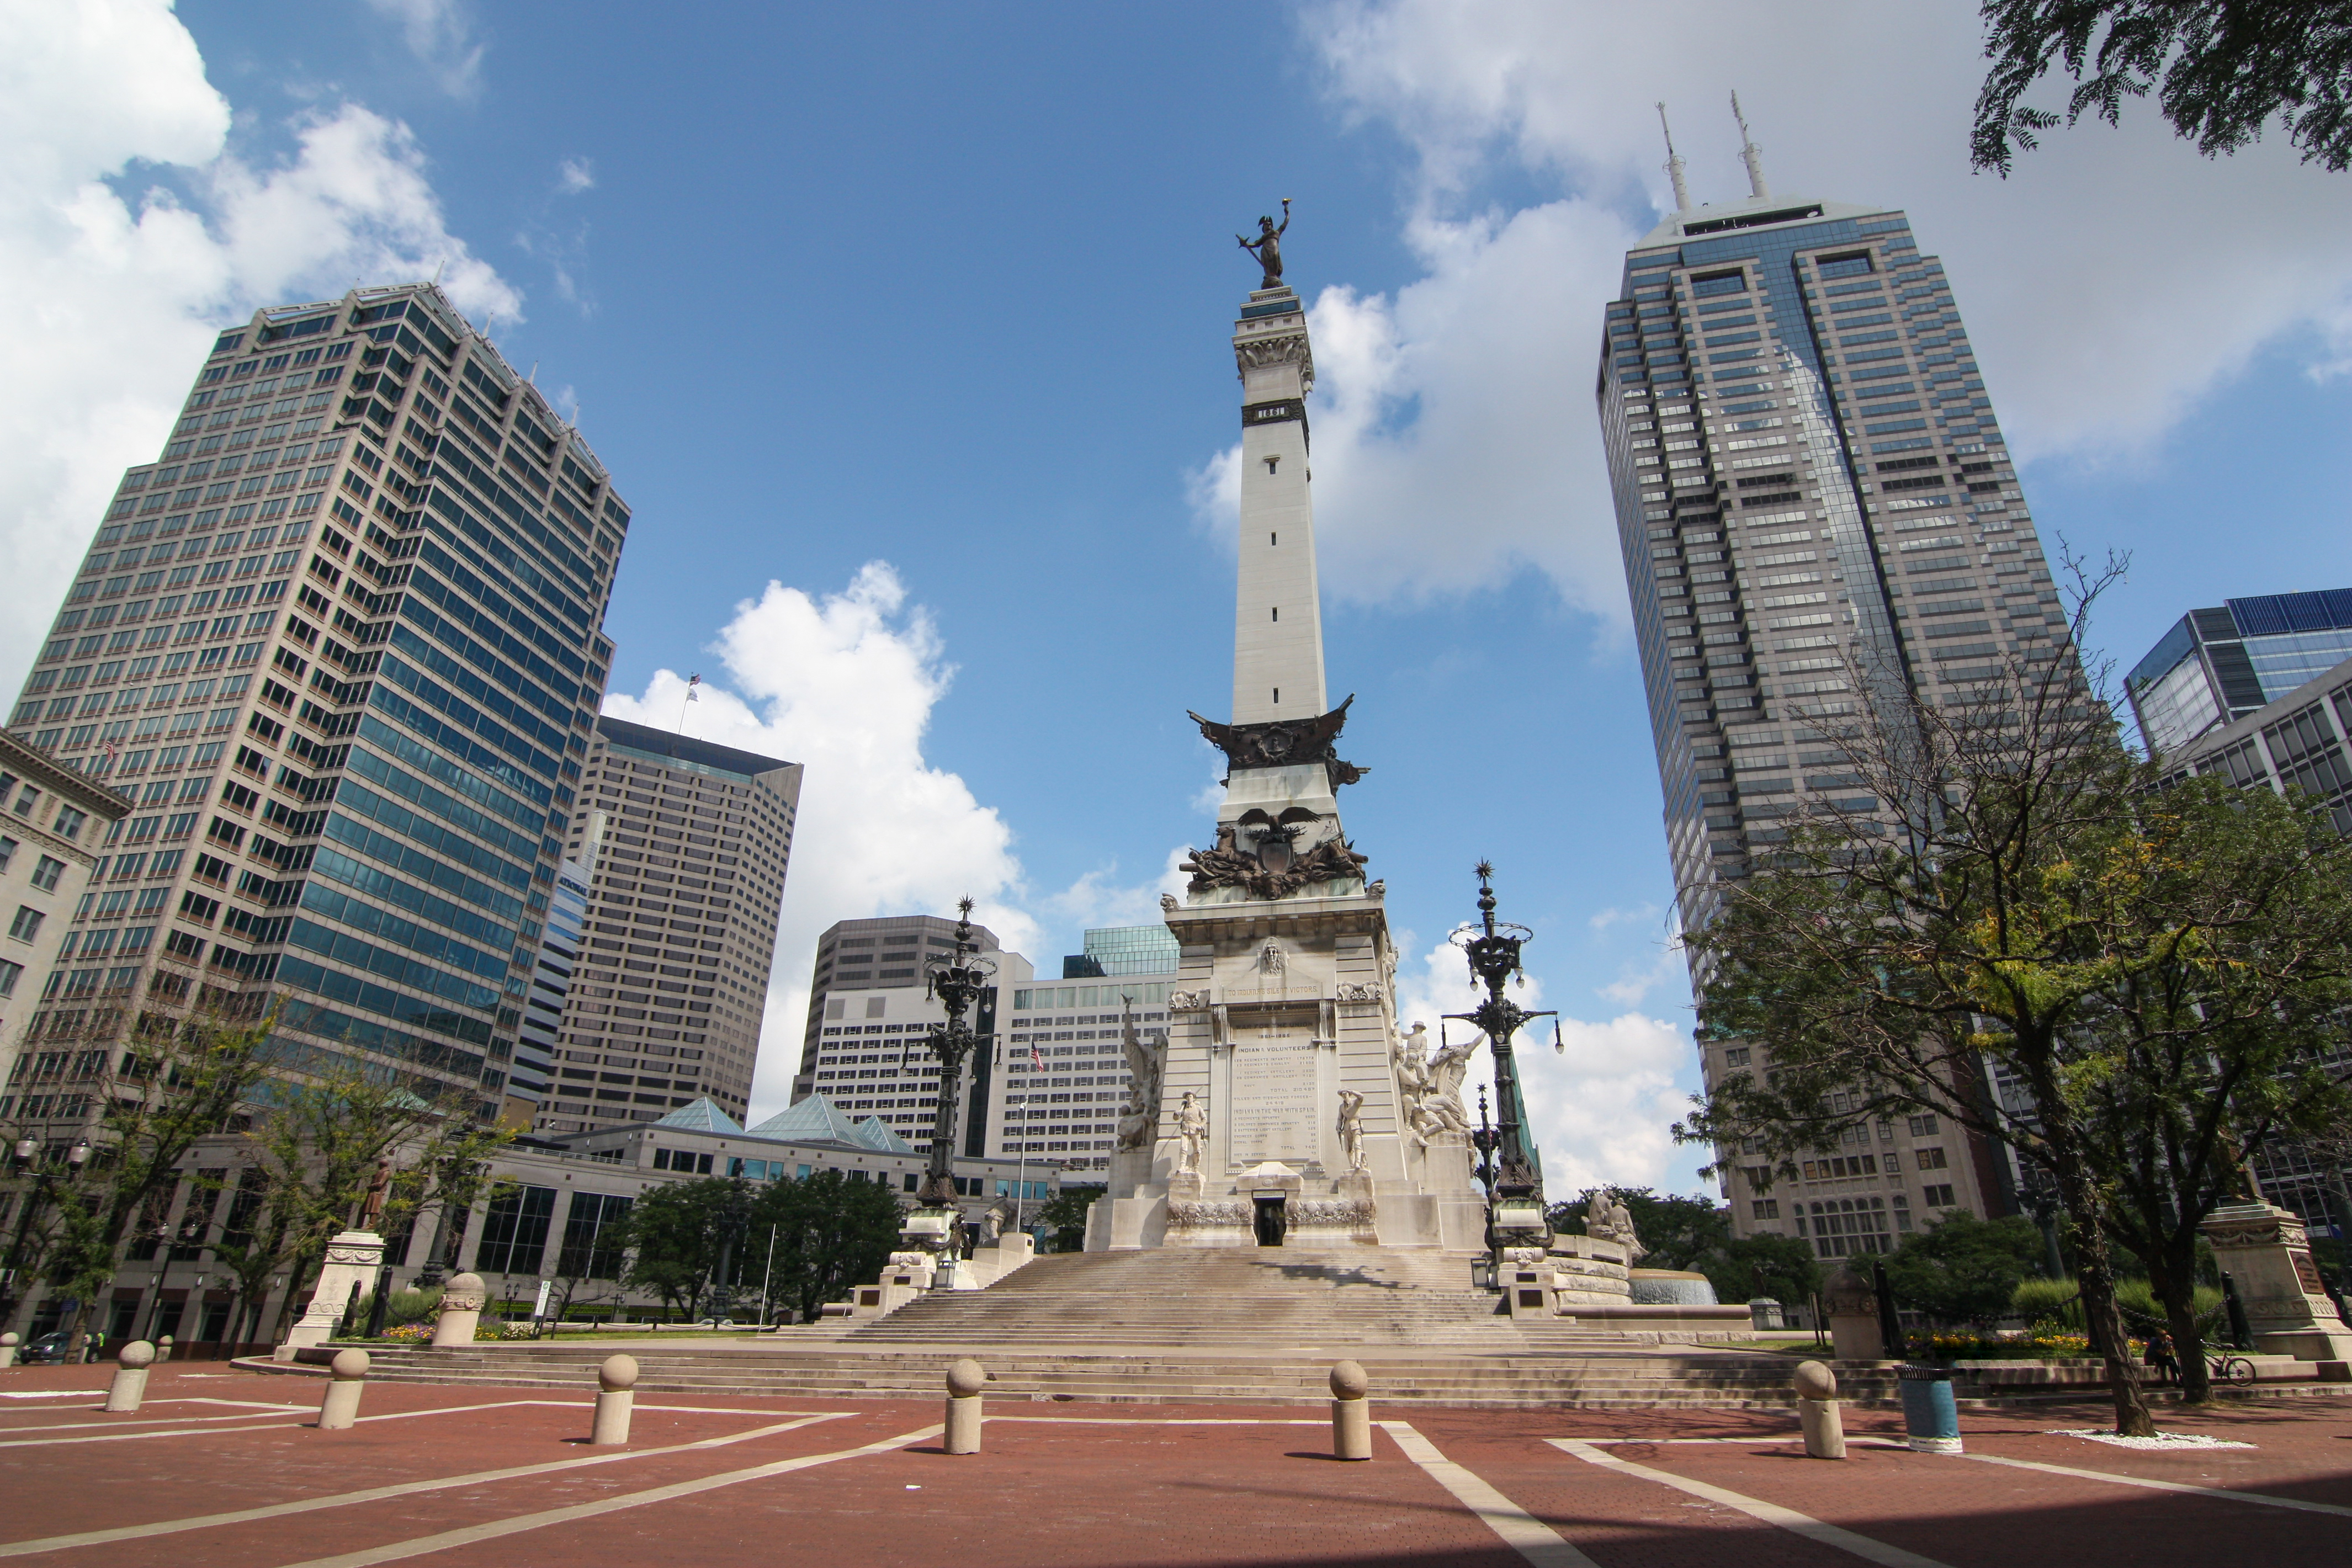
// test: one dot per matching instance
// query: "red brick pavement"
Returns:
(1061, 1486)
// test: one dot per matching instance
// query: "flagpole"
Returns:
(693, 695)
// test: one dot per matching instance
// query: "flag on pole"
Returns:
(692, 693)
(1036, 1063)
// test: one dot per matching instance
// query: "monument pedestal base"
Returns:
(353, 1258)
(2266, 1252)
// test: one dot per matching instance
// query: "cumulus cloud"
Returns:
(844, 685)
(440, 34)
(1601, 1108)
(574, 175)
(1453, 437)
(124, 293)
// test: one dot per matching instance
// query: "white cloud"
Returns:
(1601, 1108)
(844, 685)
(1635, 982)
(440, 34)
(122, 298)
(574, 175)
(1613, 915)
(1455, 437)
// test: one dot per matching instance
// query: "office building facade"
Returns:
(684, 845)
(340, 643)
(1066, 1079)
(52, 821)
(1803, 463)
(870, 1008)
(2216, 666)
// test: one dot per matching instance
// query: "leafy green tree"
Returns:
(1064, 1218)
(1766, 1264)
(315, 1148)
(178, 1076)
(2221, 71)
(2164, 965)
(677, 1232)
(1676, 1231)
(830, 1233)
(1963, 1270)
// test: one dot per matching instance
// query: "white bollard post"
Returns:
(1351, 1413)
(1818, 1411)
(130, 1384)
(163, 1348)
(341, 1407)
(462, 1299)
(617, 1384)
(966, 1378)
(8, 1343)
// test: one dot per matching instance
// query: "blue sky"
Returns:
(919, 315)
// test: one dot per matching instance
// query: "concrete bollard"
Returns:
(1818, 1411)
(341, 1407)
(616, 1396)
(163, 1349)
(8, 1343)
(462, 1299)
(130, 1384)
(1351, 1413)
(966, 1378)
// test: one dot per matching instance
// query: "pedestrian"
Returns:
(2159, 1356)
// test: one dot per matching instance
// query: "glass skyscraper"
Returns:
(341, 643)
(1804, 460)
(2216, 666)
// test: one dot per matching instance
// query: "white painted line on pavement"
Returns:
(1787, 1519)
(493, 1530)
(378, 1494)
(2262, 1498)
(1522, 1531)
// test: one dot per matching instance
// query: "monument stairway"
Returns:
(1173, 1325)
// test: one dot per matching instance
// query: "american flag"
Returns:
(1036, 1063)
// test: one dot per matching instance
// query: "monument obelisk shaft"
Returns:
(1277, 613)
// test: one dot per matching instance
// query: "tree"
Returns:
(178, 1077)
(315, 1148)
(1676, 1231)
(2163, 965)
(1766, 1264)
(1963, 1270)
(1064, 1217)
(677, 1232)
(2222, 69)
(830, 1233)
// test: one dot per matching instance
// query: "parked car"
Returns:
(47, 1348)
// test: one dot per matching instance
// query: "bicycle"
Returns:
(2226, 1369)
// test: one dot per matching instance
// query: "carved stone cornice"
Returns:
(1283, 343)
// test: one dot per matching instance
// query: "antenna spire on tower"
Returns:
(1749, 153)
(1674, 164)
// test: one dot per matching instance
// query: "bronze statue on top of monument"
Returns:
(1268, 247)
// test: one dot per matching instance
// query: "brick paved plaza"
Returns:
(223, 1467)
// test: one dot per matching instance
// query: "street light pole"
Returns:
(1515, 1199)
(22, 1161)
(957, 982)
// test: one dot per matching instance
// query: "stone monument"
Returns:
(1284, 1107)
(2266, 1252)
(353, 1258)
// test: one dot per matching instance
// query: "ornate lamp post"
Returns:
(1515, 1206)
(22, 1161)
(957, 980)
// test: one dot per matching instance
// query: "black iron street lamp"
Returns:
(957, 980)
(21, 1162)
(1515, 1210)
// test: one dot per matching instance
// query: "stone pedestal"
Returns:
(2267, 1254)
(353, 1258)
(1349, 1217)
(1588, 1272)
(1851, 1304)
